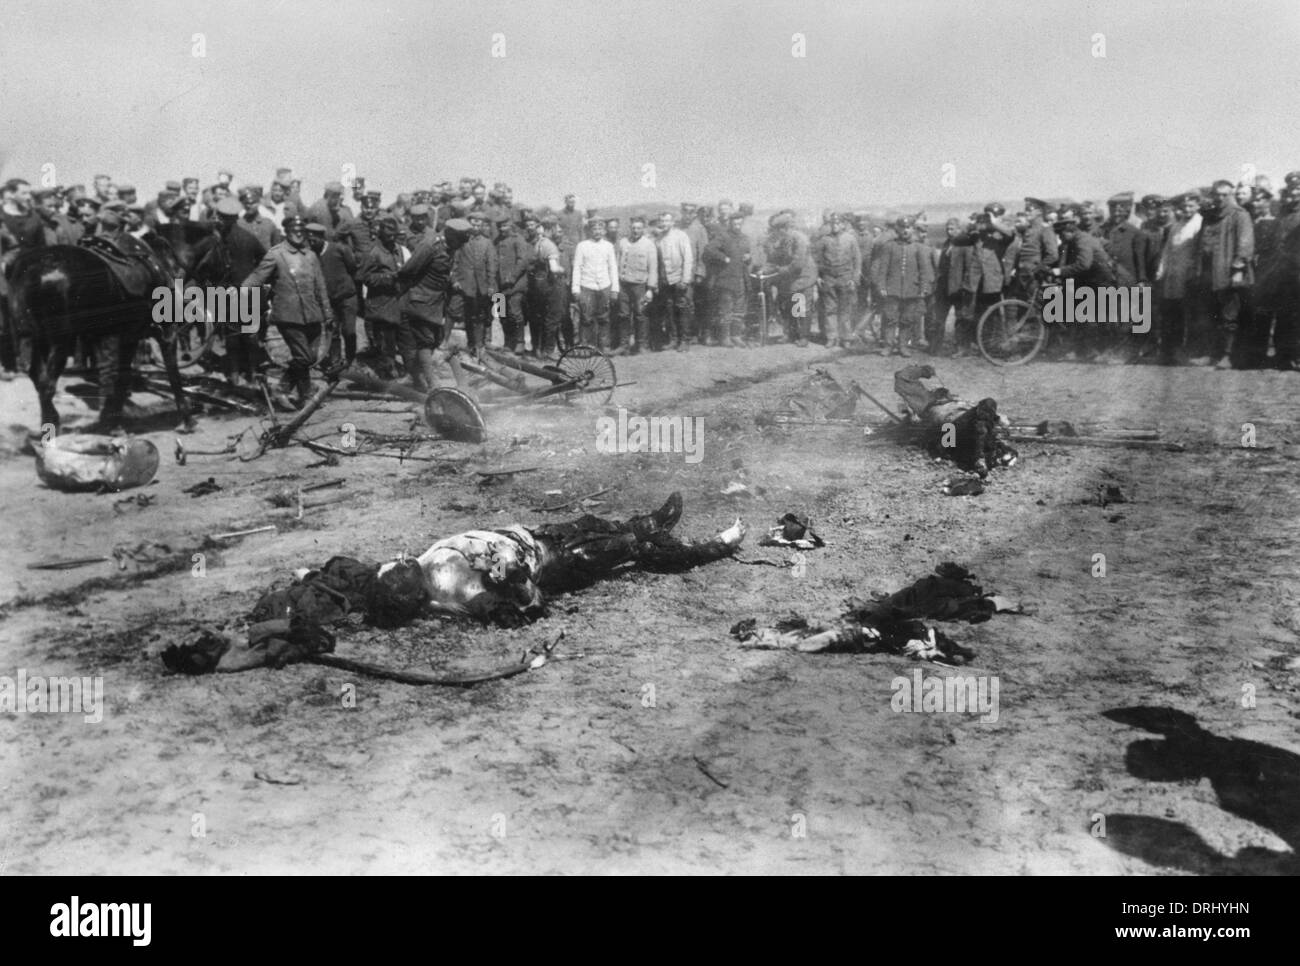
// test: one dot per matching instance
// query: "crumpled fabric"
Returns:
(793, 530)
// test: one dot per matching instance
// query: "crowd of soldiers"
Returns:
(1218, 261)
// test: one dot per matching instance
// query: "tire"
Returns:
(593, 371)
(1010, 333)
(454, 415)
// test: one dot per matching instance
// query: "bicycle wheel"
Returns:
(454, 415)
(592, 372)
(1010, 333)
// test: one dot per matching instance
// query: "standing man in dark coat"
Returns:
(378, 272)
(340, 268)
(514, 255)
(426, 277)
(473, 283)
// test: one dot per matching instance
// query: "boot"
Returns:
(428, 368)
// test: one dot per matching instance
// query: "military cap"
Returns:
(386, 221)
(735, 216)
(463, 205)
(334, 187)
(110, 217)
(995, 209)
(171, 186)
(1066, 216)
(86, 203)
(1038, 203)
(373, 195)
(293, 221)
(724, 201)
(126, 189)
(500, 218)
(1123, 198)
(1292, 179)
(687, 206)
(1152, 201)
(952, 223)
(591, 212)
(781, 220)
(419, 211)
(249, 194)
(901, 223)
(746, 208)
(283, 182)
(229, 206)
(475, 215)
(550, 221)
(525, 214)
(315, 228)
(1261, 192)
(178, 204)
(136, 206)
(457, 224)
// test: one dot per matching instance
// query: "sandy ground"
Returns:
(657, 743)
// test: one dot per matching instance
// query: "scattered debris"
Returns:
(963, 486)
(565, 506)
(142, 500)
(793, 531)
(210, 485)
(270, 780)
(708, 774)
(270, 528)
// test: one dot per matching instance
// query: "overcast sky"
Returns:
(708, 91)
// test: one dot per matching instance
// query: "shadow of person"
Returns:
(1254, 781)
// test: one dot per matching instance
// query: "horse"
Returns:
(99, 292)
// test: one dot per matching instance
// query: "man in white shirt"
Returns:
(595, 283)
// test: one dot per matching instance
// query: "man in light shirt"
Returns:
(638, 278)
(677, 273)
(595, 282)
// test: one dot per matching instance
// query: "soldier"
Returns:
(300, 302)
(570, 220)
(676, 272)
(426, 277)
(331, 212)
(638, 280)
(514, 255)
(562, 307)
(473, 283)
(728, 254)
(790, 258)
(542, 308)
(1225, 252)
(226, 257)
(902, 275)
(340, 267)
(839, 264)
(378, 272)
(254, 219)
(1175, 277)
(1039, 246)
(1083, 258)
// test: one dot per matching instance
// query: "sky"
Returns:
(708, 92)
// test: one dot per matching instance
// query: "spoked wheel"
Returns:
(592, 372)
(454, 415)
(1010, 333)
(191, 347)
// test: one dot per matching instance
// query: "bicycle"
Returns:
(1012, 331)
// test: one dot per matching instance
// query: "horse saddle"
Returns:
(130, 261)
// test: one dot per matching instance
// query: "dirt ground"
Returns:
(657, 743)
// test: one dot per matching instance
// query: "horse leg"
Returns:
(46, 364)
(168, 347)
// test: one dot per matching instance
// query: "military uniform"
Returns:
(378, 272)
(421, 328)
(514, 255)
(473, 283)
(299, 306)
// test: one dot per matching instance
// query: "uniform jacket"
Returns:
(1127, 246)
(298, 292)
(1084, 259)
(1226, 240)
(340, 268)
(839, 259)
(901, 270)
(336, 222)
(513, 255)
(378, 272)
(792, 259)
(474, 268)
(725, 256)
(699, 236)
